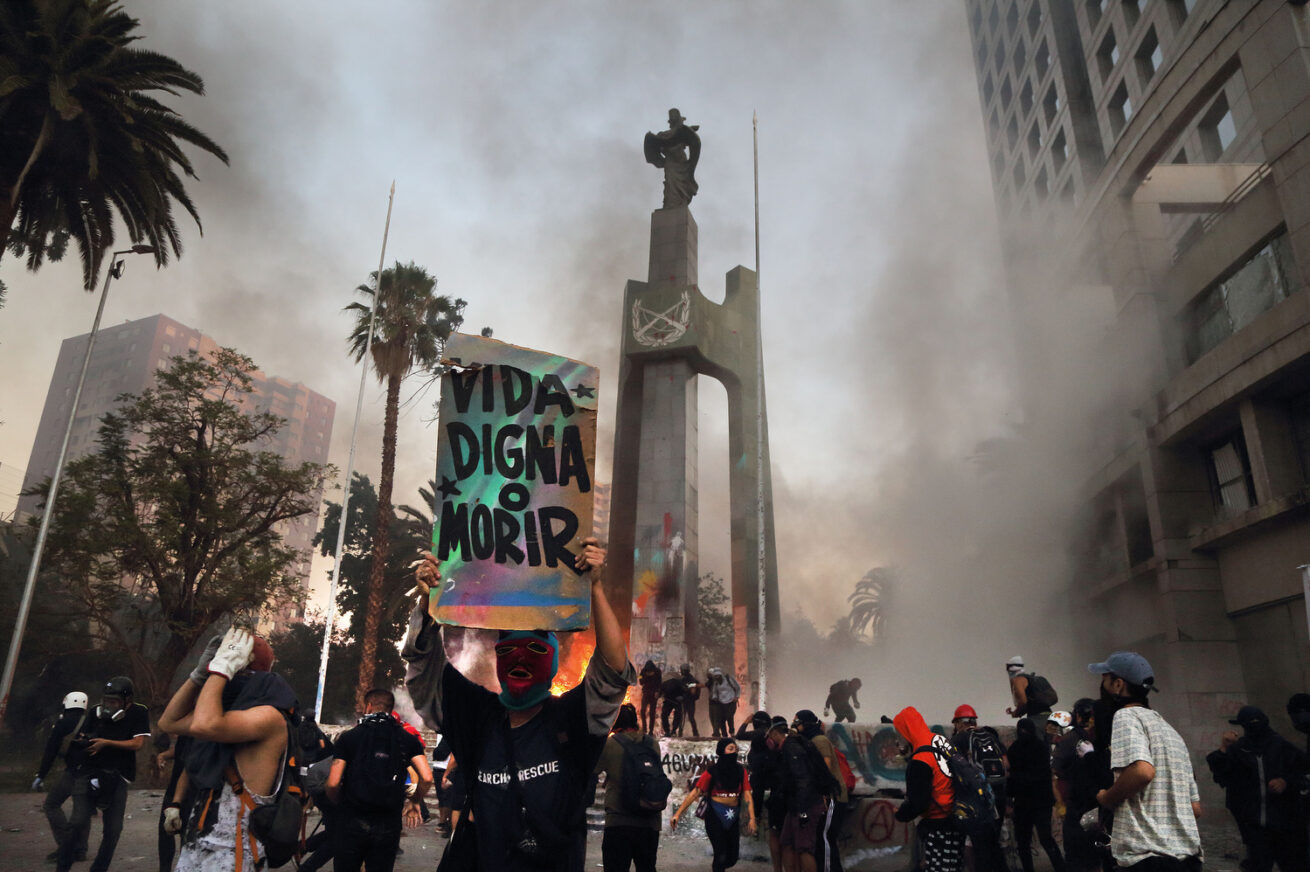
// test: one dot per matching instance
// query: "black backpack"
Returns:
(375, 774)
(645, 787)
(280, 825)
(1041, 696)
(973, 810)
(986, 752)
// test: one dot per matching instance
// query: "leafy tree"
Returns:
(82, 136)
(714, 622)
(408, 537)
(172, 524)
(299, 651)
(411, 328)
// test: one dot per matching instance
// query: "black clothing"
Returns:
(624, 847)
(368, 840)
(726, 840)
(120, 761)
(943, 846)
(349, 745)
(918, 791)
(1026, 818)
(207, 760)
(689, 702)
(671, 717)
(650, 680)
(798, 775)
(840, 697)
(168, 841)
(1245, 770)
(57, 793)
(68, 722)
(108, 793)
(1030, 790)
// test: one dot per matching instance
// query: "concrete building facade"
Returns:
(124, 360)
(1169, 141)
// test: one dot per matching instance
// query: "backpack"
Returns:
(824, 782)
(847, 774)
(985, 751)
(375, 776)
(973, 810)
(280, 825)
(1041, 696)
(645, 787)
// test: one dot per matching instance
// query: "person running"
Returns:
(71, 720)
(841, 696)
(526, 758)
(650, 680)
(632, 836)
(1033, 695)
(728, 787)
(103, 757)
(929, 794)
(1033, 795)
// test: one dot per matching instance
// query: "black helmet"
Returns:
(119, 685)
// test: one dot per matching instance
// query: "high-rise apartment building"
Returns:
(1151, 162)
(124, 360)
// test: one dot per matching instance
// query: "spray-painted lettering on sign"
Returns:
(515, 465)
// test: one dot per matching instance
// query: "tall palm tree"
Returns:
(81, 136)
(411, 328)
(868, 603)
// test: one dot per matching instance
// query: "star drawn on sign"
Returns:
(584, 391)
(448, 488)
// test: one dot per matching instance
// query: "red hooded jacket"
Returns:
(912, 727)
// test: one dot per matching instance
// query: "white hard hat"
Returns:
(1063, 720)
(1016, 660)
(75, 700)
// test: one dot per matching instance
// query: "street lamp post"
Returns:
(29, 588)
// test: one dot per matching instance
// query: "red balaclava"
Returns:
(526, 663)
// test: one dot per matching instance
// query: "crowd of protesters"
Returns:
(514, 772)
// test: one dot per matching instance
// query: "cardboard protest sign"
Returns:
(516, 458)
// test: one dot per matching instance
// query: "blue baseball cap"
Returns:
(1128, 665)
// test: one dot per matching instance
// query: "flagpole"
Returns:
(350, 466)
(762, 605)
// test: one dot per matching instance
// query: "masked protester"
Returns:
(1078, 774)
(71, 722)
(728, 787)
(929, 794)
(649, 680)
(1154, 799)
(1031, 791)
(1259, 773)
(103, 759)
(527, 757)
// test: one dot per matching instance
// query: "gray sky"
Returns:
(513, 131)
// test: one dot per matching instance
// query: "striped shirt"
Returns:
(1159, 820)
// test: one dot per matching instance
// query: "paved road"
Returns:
(25, 840)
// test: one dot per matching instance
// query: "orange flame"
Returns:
(575, 653)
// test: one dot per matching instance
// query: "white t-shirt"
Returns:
(1159, 820)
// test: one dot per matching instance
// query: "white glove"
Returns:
(172, 820)
(201, 672)
(38, 782)
(234, 652)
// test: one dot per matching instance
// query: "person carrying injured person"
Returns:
(528, 756)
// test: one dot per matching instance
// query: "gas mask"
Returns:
(111, 708)
(526, 663)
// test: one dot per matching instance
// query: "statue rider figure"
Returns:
(677, 151)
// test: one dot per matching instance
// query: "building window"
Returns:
(998, 164)
(1042, 60)
(995, 122)
(1006, 93)
(1121, 108)
(1217, 129)
(1020, 56)
(1012, 132)
(1026, 99)
(987, 90)
(999, 55)
(1149, 58)
(1107, 56)
(1034, 142)
(1040, 186)
(994, 19)
(1019, 176)
(1051, 104)
(1059, 151)
(1179, 10)
(1181, 157)
(1259, 283)
(1231, 483)
(1034, 18)
(1298, 413)
(1012, 18)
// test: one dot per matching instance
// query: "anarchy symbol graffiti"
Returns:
(657, 329)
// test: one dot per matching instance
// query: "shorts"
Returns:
(803, 835)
